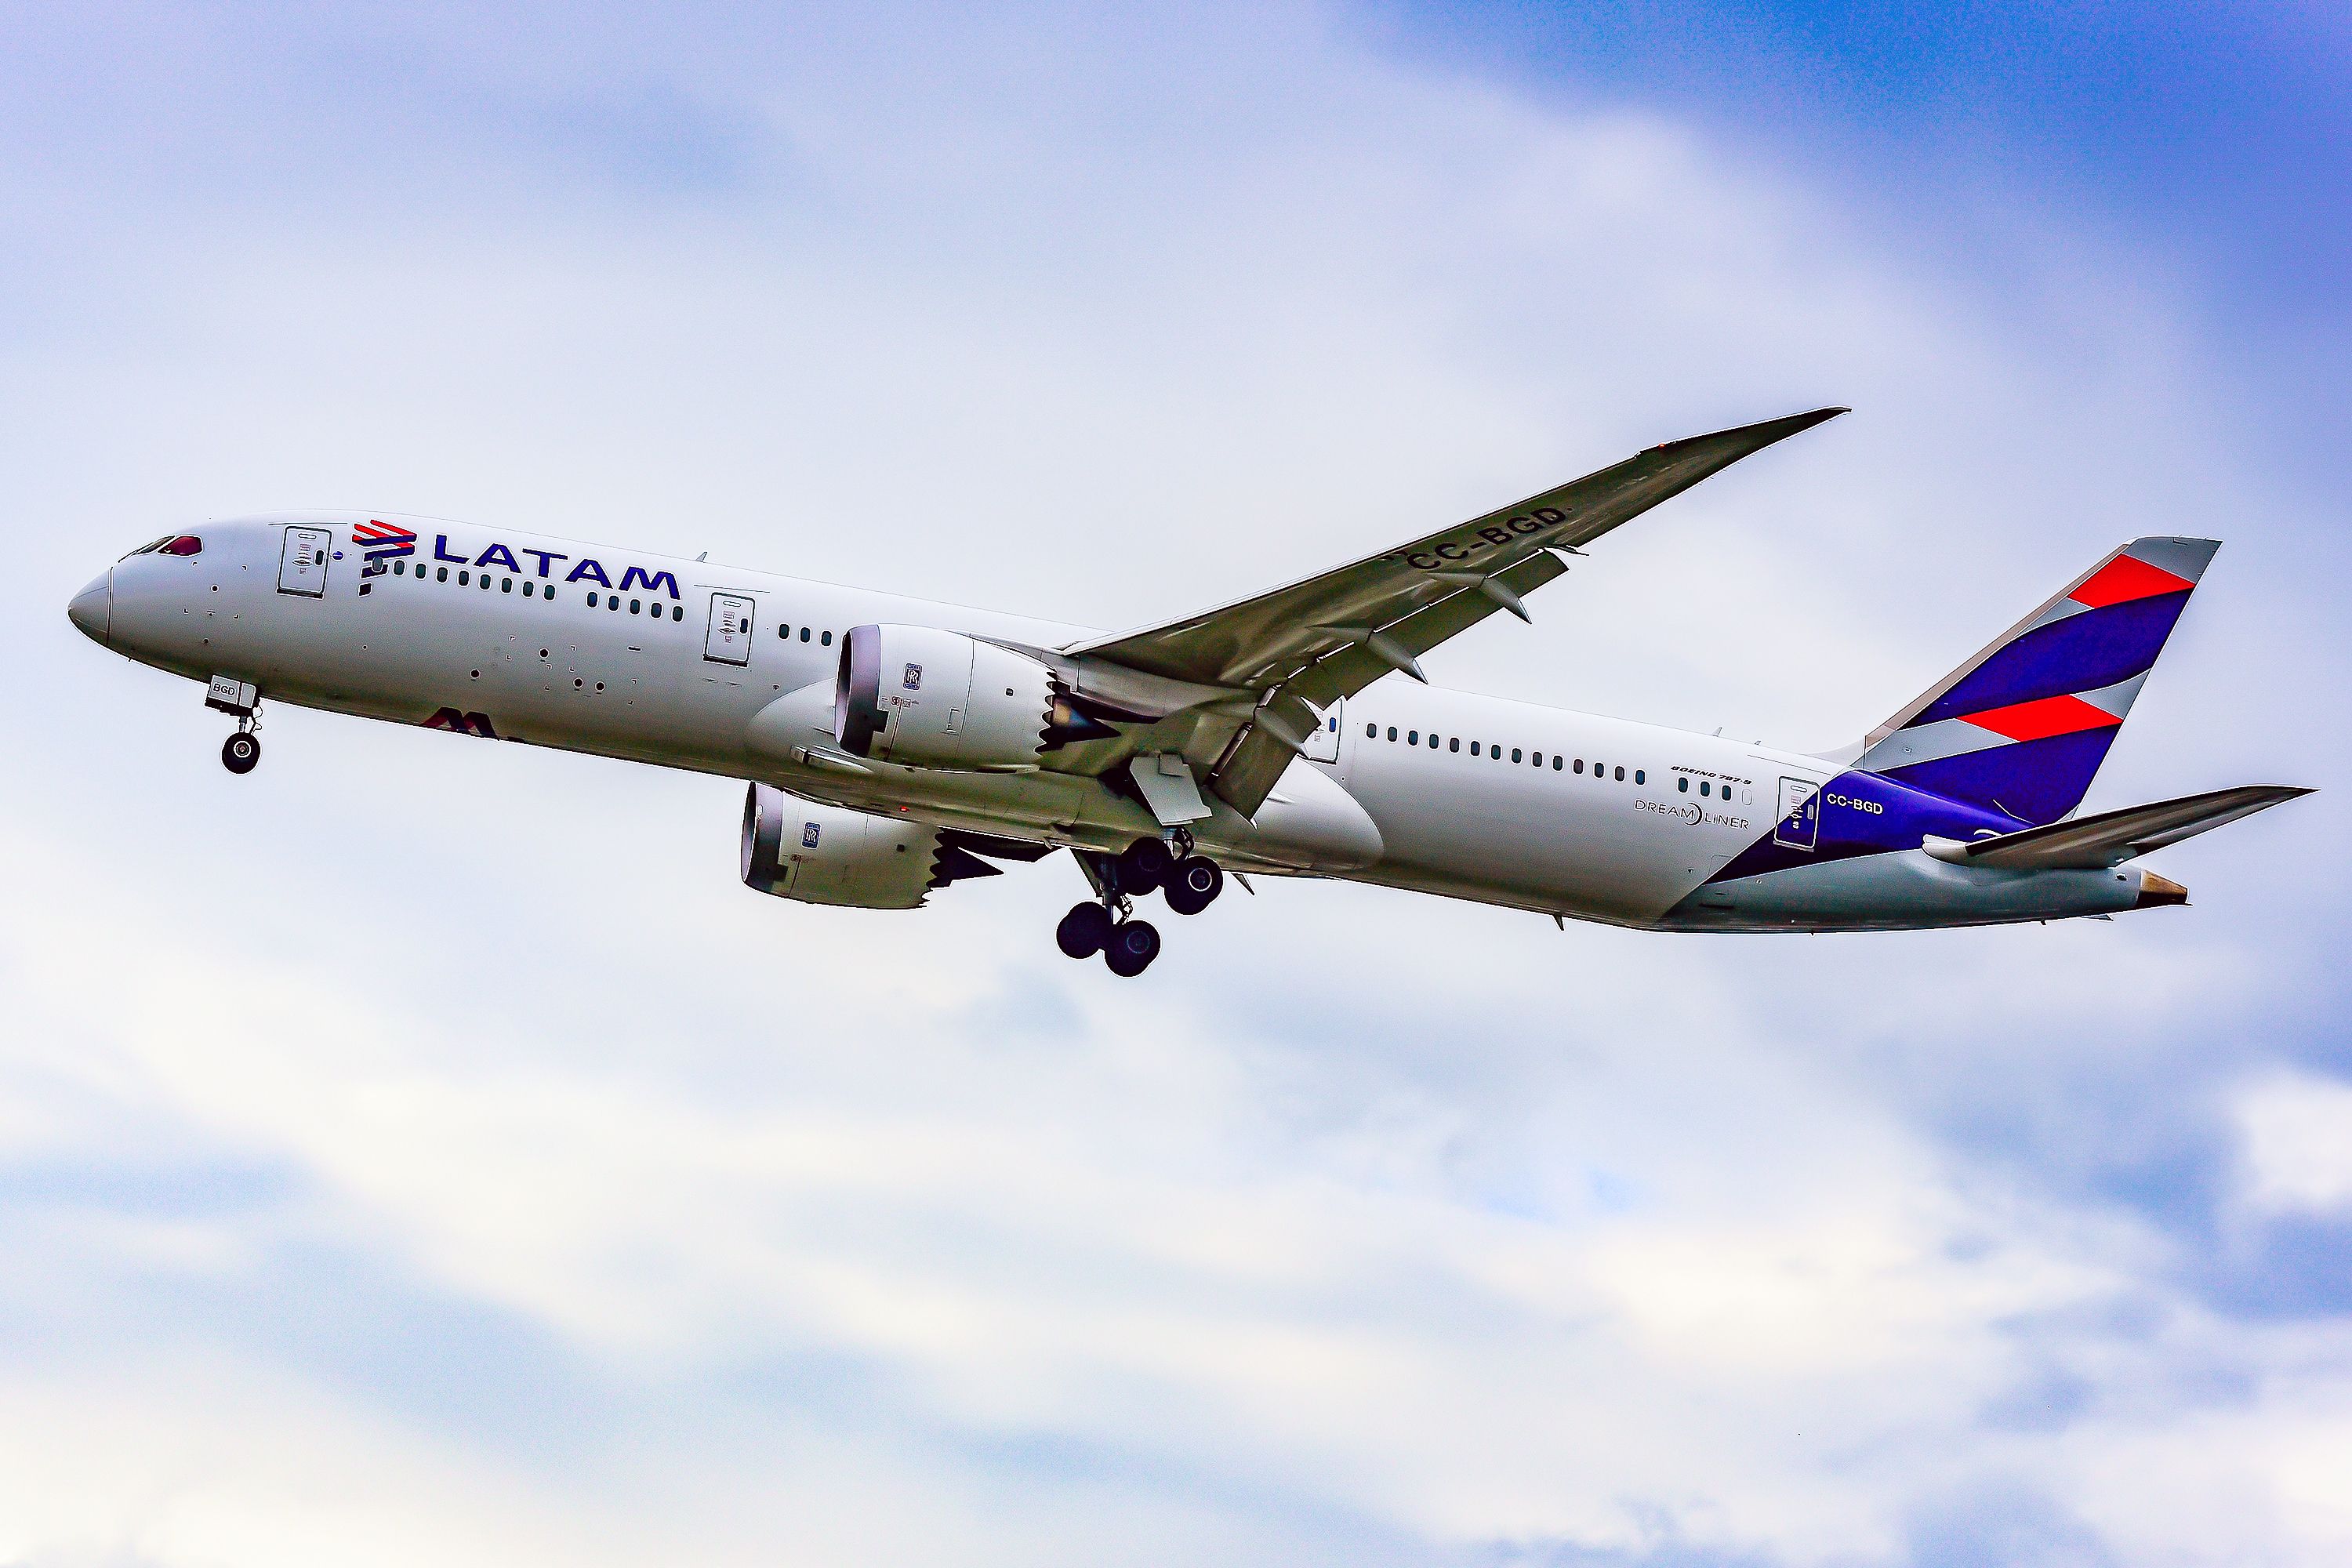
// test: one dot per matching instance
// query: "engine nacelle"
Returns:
(940, 699)
(827, 855)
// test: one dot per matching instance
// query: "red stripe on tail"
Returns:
(2127, 577)
(2042, 718)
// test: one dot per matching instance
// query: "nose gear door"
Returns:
(728, 639)
(302, 563)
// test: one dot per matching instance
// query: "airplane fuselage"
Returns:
(719, 669)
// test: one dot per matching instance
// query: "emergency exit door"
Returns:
(1323, 746)
(728, 639)
(302, 562)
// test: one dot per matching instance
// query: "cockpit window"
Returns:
(151, 546)
(181, 545)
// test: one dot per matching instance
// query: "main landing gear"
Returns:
(1191, 883)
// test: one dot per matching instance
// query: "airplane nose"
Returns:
(92, 609)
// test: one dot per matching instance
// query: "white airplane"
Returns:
(893, 746)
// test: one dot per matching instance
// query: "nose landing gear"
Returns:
(241, 699)
(1191, 881)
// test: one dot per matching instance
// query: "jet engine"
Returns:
(829, 855)
(940, 700)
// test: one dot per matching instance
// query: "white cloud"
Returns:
(2297, 1130)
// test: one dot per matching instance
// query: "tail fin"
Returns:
(2023, 726)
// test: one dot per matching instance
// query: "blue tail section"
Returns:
(2022, 728)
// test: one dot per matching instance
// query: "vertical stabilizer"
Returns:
(2023, 726)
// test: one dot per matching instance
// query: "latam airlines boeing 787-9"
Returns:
(893, 746)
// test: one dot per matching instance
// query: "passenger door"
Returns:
(728, 639)
(1800, 815)
(302, 562)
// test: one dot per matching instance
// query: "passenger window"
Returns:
(592, 598)
(1621, 773)
(463, 579)
(1705, 788)
(1454, 744)
(678, 613)
(1371, 732)
(1515, 753)
(1580, 764)
(506, 585)
(1638, 776)
(398, 567)
(1555, 763)
(1412, 737)
(528, 590)
(442, 575)
(1392, 732)
(636, 606)
(1473, 747)
(783, 632)
(545, 591)
(826, 639)
(805, 633)
(1682, 786)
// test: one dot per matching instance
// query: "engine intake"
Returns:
(932, 698)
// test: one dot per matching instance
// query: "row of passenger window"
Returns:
(465, 579)
(1559, 762)
(784, 633)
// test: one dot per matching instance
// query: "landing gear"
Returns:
(1133, 945)
(1194, 885)
(1145, 866)
(241, 700)
(1084, 930)
(1191, 880)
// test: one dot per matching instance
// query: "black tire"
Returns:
(240, 751)
(1195, 885)
(1084, 930)
(1133, 945)
(1143, 866)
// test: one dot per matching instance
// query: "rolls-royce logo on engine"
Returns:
(808, 835)
(914, 677)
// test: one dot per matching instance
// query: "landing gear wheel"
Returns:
(1143, 866)
(1132, 947)
(1195, 885)
(240, 751)
(1084, 930)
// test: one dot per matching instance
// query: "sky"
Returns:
(425, 1150)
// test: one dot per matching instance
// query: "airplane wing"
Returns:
(1300, 648)
(2111, 837)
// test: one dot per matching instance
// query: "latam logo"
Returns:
(381, 543)
(586, 569)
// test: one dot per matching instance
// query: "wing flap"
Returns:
(2111, 837)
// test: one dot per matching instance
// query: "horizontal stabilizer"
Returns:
(2111, 837)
